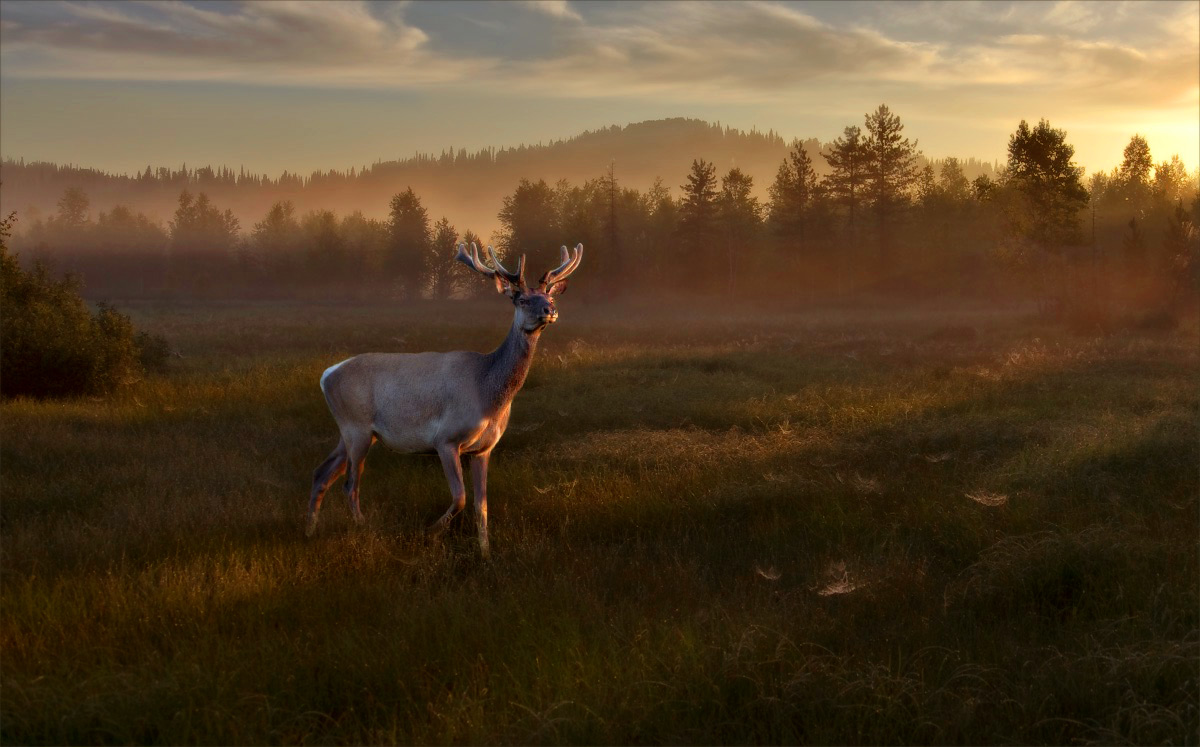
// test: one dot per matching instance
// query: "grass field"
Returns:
(836, 526)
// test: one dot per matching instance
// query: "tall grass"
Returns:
(837, 527)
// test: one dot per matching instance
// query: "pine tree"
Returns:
(468, 281)
(325, 251)
(740, 217)
(1181, 253)
(792, 196)
(698, 213)
(891, 171)
(408, 239)
(953, 183)
(846, 182)
(276, 242)
(662, 224)
(530, 220)
(439, 276)
(203, 242)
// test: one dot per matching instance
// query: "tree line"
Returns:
(874, 216)
(465, 184)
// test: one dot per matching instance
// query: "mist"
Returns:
(686, 207)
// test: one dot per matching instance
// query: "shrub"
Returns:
(52, 345)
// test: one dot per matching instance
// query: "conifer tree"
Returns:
(408, 238)
(792, 195)
(698, 213)
(740, 216)
(891, 171)
(439, 275)
(846, 182)
(529, 220)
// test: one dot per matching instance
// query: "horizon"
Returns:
(497, 148)
(303, 87)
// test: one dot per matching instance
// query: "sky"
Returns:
(321, 85)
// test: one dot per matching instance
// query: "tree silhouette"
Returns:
(662, 221)
(582, 216)
(1041, 169)
(468, 280)
(199, 226)
(891, 170)
(203, 241)
(119, 229)
(529, 219)
(128, 250)
(740, 218)
(325, 252)
(439, 276)
(73, 208)
(698, 212)
(1181, 253)
(846, 183)
(1136, 166)
(365, 240)
(953, 183)
(276, 241)
(1170, 180)
(408, 239)
(1044, 216)
(792, 195)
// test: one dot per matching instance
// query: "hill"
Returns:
(466, 187)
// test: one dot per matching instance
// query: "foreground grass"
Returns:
(826, 527)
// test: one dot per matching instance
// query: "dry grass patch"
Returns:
(706, 528)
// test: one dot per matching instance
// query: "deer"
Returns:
(454, 404)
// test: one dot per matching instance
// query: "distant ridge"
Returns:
(467, 187)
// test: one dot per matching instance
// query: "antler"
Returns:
(517, 278)
(472, 260)
(563, 271)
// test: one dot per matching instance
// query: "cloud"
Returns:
(732, 50)
(1082, 72)
(553, 8)
(284, 41)
(992, 53)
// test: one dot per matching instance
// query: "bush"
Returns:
(51, 345)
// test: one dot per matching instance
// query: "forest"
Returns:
(865, 215)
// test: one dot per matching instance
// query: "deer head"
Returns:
(534, 306)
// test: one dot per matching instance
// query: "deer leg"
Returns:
(330, 470)
(458, 493)
(356, 459)
(479, 467)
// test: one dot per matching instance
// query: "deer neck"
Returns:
(507, 366)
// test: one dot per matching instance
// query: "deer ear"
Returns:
(505, 288)
(557, 289)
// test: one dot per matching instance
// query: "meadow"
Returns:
(872, 525)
